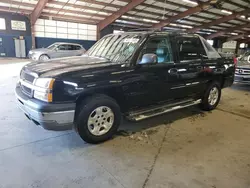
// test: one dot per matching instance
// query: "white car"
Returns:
(56, 50)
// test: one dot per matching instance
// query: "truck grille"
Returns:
(242, 71)
(27, 77)
(26, 90)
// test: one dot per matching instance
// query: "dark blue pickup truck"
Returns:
(136, 75)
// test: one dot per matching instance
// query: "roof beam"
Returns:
(80, 7)
(218, 21)
(101, 3)
(119, 13)
(75, 12)
(15, 10)
(227, 30)
(18, 3)
(38, 10)
(184, 14)
(77, 19)
(235, 37)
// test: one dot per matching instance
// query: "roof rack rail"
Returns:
(146, 29)
(161, 30)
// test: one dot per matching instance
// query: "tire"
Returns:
(93, 117)
(44, 57)
(211, 103)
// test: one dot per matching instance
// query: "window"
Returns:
(2, 24)
(159, 46)
(117, 48)
(78, 48)
(65, 30)
(190, 48)
(63, 47)
(71, 47)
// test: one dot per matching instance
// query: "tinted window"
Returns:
(159, 46)
(74, 47)
(78, 48)
(190, 48)
(63, 47)
(71, 47)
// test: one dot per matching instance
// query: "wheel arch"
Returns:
(45, 54)
(218, 79)
(114, 93)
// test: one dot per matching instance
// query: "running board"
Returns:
(137, 116)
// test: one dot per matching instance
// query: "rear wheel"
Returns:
(98, 120)
(211, 97)
(44, 58)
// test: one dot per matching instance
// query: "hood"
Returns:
(243, 64)
(57, 67)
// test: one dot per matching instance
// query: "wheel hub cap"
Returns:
(100, 120)
(213, 96)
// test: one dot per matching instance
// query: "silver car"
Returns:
(242, 72)
(56, 50)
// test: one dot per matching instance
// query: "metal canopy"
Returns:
(213, 18)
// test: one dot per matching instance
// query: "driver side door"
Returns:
(154, 80)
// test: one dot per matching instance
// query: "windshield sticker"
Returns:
(131, 40)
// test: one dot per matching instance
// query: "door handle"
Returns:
(173, 71)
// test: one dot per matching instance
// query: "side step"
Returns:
(155, 111)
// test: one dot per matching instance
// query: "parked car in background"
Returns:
(56, 50)
(242, 72)
(136, 74)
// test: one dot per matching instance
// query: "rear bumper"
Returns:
(50, 116)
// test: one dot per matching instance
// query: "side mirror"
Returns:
(148, 59)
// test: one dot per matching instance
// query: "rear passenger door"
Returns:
(71, 50)
(190, 65)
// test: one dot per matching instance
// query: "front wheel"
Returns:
(44, 58)
(98, 120)
(211, 97)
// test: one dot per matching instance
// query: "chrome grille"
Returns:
(26, 90)
(27, 77)
(242, 71)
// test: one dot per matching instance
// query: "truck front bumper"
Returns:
(50, 116)
(242, 79)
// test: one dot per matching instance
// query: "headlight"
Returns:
(43, 89)
(45, 83)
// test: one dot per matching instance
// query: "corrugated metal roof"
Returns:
(146, 14)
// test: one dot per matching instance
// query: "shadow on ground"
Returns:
(129, 127)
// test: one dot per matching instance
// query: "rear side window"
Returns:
(71, 47)
(190, 48)
(78, 48)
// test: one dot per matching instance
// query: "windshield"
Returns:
(116, 48)
(52, 46)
